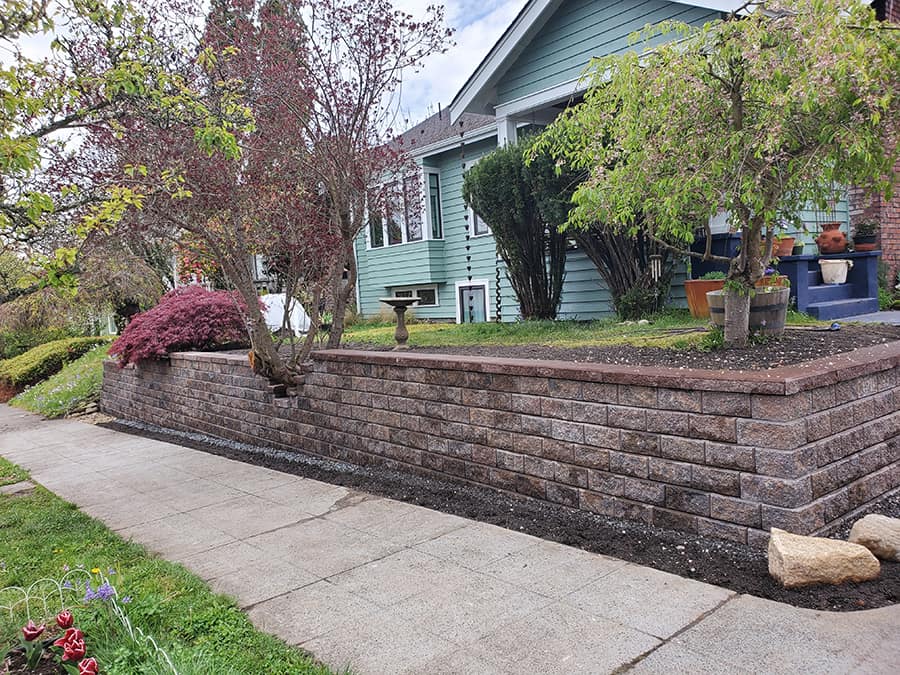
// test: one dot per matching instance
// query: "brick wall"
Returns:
(887, 213)
(722, 454)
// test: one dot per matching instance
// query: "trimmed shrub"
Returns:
(188, 318)
(45, 360)
(16, 342)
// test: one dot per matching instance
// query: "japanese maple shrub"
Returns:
(188, 318)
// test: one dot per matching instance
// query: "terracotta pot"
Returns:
(782, 247)
(696, 290)
(832, 240)
(865, 243)
(780, 280)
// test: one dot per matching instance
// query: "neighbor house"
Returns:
(439, 250)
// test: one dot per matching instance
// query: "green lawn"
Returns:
(675, 329)
(42, 536)
(72, 388)
(672, 329)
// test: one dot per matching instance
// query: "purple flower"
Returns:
(111, 571)
(67, 584)
(126, 599)
(66, 568)
(89, 593)
(105, 591)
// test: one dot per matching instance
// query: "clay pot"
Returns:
(696, 290)
(832, 240)
(781, 247)
(865, 242)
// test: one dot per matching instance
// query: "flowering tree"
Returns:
(357, 53)
(757, 114)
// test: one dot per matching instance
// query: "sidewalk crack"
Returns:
(631, 664)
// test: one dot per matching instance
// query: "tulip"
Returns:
(32, 632)
(65, 619)
(87, 667)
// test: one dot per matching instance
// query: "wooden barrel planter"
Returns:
(768, 310)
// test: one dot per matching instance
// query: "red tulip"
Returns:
(32, 632)
(87, 667)
(65, 619)
(72, 644)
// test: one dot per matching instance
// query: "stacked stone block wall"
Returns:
(722, 454)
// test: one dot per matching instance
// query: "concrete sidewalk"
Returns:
(387, 587)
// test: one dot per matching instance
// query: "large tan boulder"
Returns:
(879, 534)
(798, 561)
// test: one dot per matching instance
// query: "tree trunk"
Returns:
(343, 291)
(737, 317)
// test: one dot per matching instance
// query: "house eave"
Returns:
(476, 95)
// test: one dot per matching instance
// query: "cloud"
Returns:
(478, 24)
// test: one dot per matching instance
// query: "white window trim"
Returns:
(425, 210)
(472, 233)
(415, 291)
(487, 298)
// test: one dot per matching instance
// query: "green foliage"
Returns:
(757, 116)
(204, 632)
(866, 228)
(713, 276)
(15, 342)
(72, 389)
(885, 299)
(45, 360)
(712, 340)
(639, 303)
(521, 205)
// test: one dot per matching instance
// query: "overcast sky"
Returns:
(477, 25)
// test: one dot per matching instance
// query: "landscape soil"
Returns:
(735, 566)
(798, 346)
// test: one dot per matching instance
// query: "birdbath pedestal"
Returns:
(400, 305)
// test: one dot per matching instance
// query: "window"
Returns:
(434, 204)
(376, 230)
(428, 295)
(479, 227)
(412, 208)
(407, 216)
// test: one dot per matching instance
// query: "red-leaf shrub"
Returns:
(188, 318)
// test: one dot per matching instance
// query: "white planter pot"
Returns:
(835, 271)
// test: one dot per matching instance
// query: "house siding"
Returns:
(585, 296)
(581, 30)
(440, 262)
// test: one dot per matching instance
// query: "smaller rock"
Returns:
(643, 322)
(25, 487)
(879, 534)
(797, 561)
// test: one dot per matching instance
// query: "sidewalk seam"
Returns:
(631, 664)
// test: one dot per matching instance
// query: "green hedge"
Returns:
(45, 360)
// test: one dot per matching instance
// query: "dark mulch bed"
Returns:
(797, 346)
(735, 566)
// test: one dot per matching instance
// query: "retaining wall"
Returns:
(726, 454)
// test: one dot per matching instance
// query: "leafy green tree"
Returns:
(112, 64)
(757, 114)
(522, 206)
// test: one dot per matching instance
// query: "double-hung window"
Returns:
(411, 211)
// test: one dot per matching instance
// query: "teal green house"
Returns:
(436, 248)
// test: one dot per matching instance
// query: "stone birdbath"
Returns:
(400, 305)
